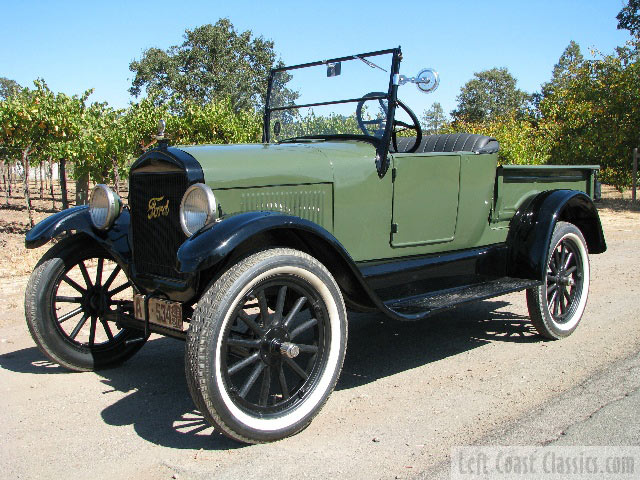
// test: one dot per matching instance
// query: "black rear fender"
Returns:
(223, 243)
(532, 227)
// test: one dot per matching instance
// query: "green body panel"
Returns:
(425, 199)
(438, 201)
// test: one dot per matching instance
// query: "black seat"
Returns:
(450, 142)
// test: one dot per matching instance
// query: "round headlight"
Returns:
(197, 209)
(104, 206)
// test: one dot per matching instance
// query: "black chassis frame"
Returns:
(381, 144)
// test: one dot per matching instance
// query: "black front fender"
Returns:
(115, 240)
(532, 227)
(212, 244)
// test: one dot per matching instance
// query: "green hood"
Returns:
(257, 165)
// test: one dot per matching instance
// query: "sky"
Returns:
(77, 45)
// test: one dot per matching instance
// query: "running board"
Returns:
(419, 307)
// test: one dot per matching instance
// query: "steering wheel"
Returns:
(380, 123)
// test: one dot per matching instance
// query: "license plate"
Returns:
(161, 312)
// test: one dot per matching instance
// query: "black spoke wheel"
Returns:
(556, 306)
(266, 345)
(69, 304)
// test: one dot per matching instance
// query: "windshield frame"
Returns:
(381, 144)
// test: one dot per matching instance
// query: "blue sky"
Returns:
(89, 44)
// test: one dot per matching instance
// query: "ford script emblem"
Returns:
(157, 208)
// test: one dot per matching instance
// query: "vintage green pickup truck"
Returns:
(254, 253)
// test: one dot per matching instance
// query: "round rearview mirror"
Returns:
(427, 80)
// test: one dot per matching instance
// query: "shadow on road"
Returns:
(158, 404)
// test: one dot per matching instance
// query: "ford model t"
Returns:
(254, 253)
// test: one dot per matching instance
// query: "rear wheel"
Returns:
(266, 345)
(69, 297)
(556, 307)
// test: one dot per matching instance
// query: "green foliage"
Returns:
(629, 18)
(214, 62)
(490, 95)
(522, 140)
(597, 115)
(293, 124)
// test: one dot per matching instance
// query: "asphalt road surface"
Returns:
(407, 394)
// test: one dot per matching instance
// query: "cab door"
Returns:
(426, 190)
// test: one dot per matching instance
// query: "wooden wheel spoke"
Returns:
(99, 271)
(251, 380)
(305, 326)
(65, 299)
(70, 314)
(119, 289)
(296, 368)
(265, 388)
(112, 277)
(85, 274)
(107, 329)
(551, 288)
(552, 300)
(282, 294)
(249, 322)
(571, 270)
(92, 330)
(567, 296)
(79, 326)
(242, 342)
(243, 363)
(294, 311)
(556, 304)
(567, 261)
(73, 284)
(283, 383)
(264, 308)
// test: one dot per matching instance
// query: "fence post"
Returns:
(634, 175)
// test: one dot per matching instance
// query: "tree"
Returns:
(434, 119)
(596, 115)
(490, 95)
(567, 66)
(213, 62)
(8, 88)
(629, 18)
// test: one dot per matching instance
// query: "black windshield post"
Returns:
(267, 112)
(382, 152)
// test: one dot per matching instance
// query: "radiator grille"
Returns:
(154, 199)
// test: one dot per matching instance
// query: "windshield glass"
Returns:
(347, 97)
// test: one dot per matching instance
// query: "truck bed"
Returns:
(516, 183)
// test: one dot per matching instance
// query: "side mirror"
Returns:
(427, 80)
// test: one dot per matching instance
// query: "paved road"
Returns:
(408, 393)
(603, 410)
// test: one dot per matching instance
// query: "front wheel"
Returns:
(266, 344)
(557, 305)
(68, 301)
